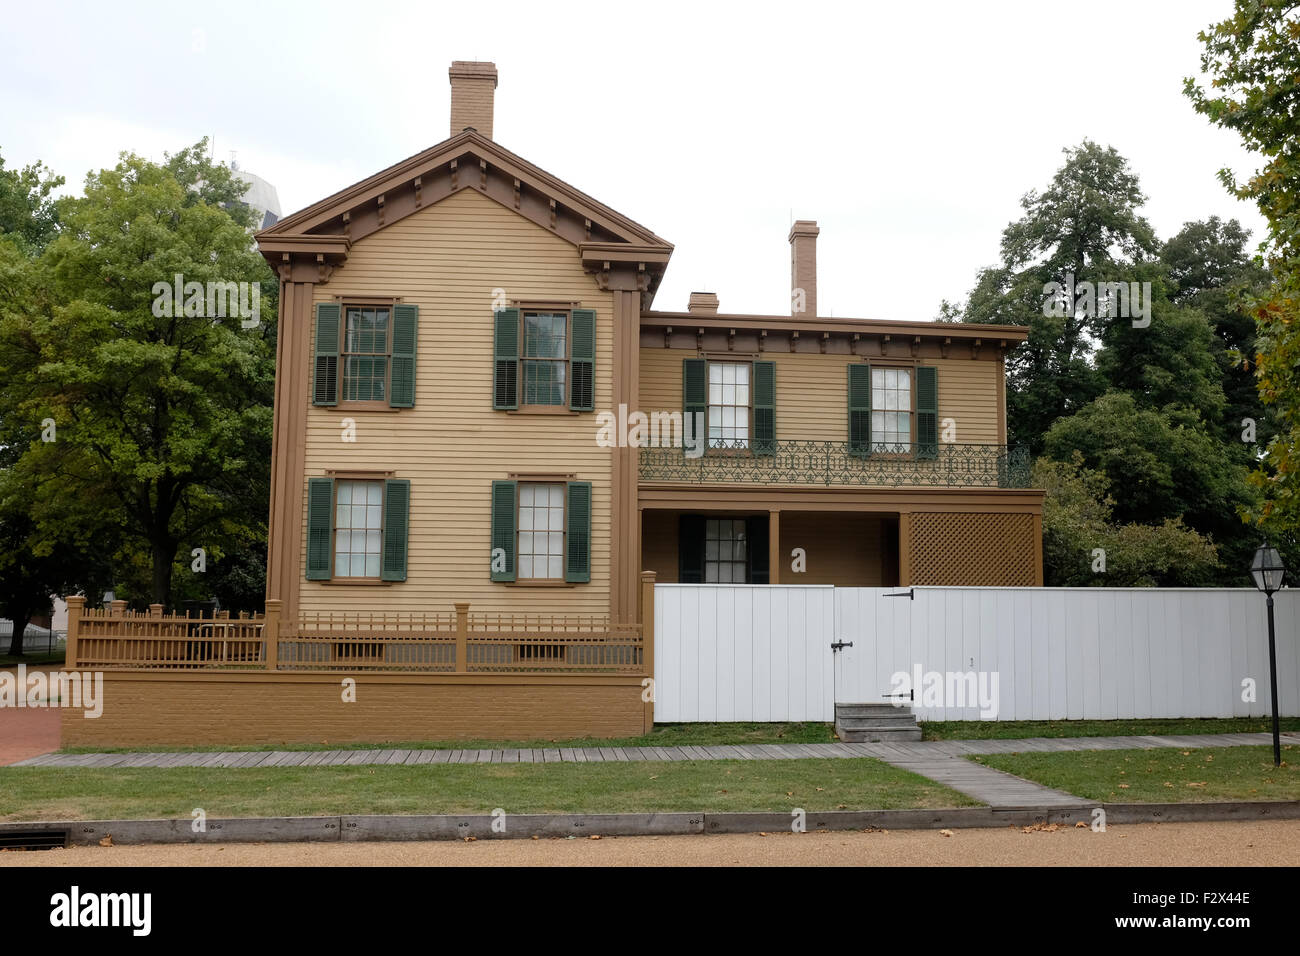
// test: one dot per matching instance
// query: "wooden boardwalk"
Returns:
(942, 761)
(901, 752)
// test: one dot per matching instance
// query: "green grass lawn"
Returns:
(33, 657)
(1161, 776)
(34, 793)
(663, 735)
(1016, 729)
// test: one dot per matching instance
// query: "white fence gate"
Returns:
(763, 652)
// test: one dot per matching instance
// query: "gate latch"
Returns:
(837, 645)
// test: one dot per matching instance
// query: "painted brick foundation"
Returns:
(142, 709)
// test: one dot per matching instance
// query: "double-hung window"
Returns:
(358, 527)
(365, 354)
(541, 530)
(729, 404)
(545, 358)
(891, 410)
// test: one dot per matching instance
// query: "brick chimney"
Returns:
(472, 87)
(803, 268)
(703, 303)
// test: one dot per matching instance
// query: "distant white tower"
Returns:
(261, 197)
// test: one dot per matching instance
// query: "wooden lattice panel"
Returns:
(974, 550)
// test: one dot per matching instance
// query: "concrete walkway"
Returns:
(942, 761)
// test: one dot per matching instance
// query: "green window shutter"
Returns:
(503, 530)
(397, 509)
(690, 549)
(505, 365)
(406, 320)
(695, 394)
(927, 412)
(756, 546)
(860, 410)
(325, 375)
(582, 360)
(764, 408)
(320, 527)
(577, 546)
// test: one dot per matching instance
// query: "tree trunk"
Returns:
(20, 616)
(164, 553)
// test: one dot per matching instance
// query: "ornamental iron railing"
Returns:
(946, 465)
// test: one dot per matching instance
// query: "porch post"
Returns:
(774, 546)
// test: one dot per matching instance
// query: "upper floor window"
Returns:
(891, 410)
(545, 358)
(729, 404)
(365, 354)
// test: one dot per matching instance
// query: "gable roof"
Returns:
(471, 161)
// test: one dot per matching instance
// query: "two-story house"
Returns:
(478, 407)
(455, 330)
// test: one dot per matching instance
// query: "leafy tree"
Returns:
(165, 416)
(1209, 269)
(1085, 227)
(1253, 62)
(28, 212)
(1171, 361)
(64, 556)
(1084, 546)
(1161, 464)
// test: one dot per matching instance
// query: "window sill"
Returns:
(543, 410)
(540, 583)
(361, 407)
(359, 582)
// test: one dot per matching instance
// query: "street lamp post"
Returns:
(1267, 570)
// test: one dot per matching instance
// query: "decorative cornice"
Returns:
(305, 258)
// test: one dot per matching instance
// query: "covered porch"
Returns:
(739, 546)
(847, 537)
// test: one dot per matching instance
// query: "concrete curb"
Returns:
(525, 826)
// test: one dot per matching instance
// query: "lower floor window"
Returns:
(358, 523)
(541, 530)
(725, 555)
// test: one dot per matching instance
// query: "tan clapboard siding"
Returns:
(448, 259)
(968, 394)
(811, 393)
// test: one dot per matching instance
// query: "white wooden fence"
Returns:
(763, 652)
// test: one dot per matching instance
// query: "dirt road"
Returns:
(1197, 844)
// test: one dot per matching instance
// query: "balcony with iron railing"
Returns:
(795, 462)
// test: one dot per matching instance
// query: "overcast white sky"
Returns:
(908, 131)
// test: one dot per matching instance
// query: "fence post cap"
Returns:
(649, 575)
